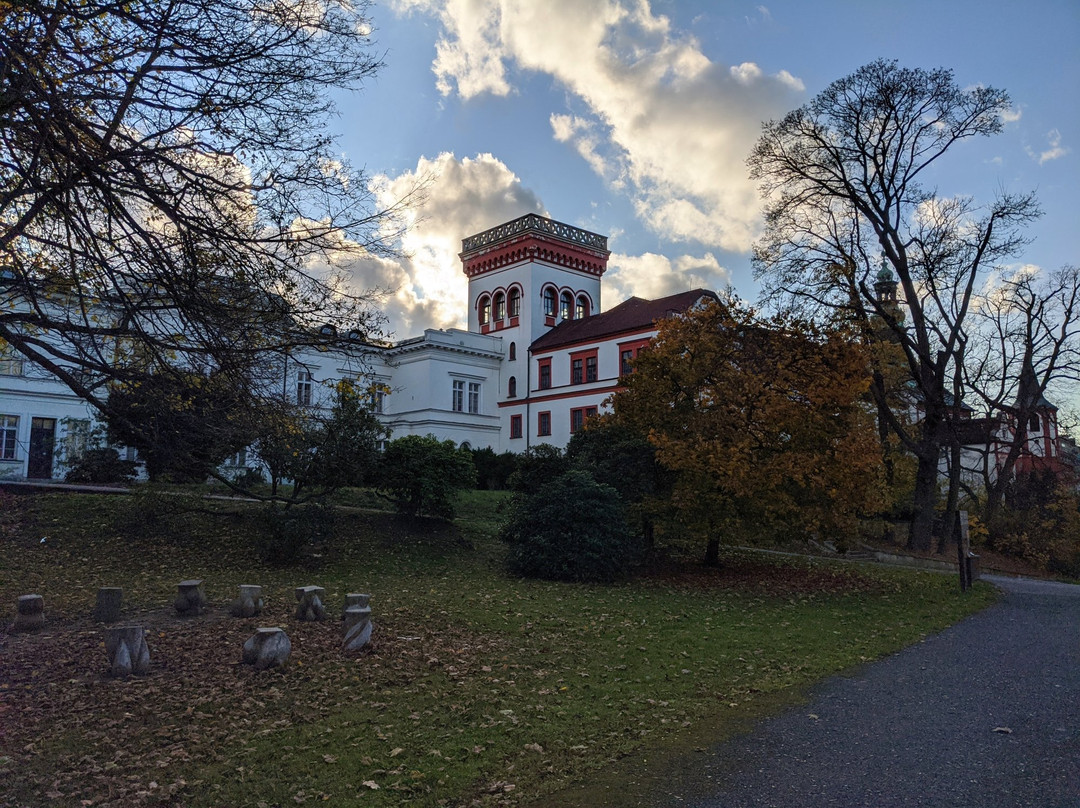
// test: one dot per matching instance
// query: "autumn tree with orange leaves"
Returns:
(761, 422)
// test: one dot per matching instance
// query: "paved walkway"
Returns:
(984, 715)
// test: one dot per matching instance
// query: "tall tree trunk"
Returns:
(926, 491)
(948, 528)
(712, 552)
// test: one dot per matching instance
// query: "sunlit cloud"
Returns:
(653, 115)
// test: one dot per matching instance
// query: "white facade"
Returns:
(534, 303)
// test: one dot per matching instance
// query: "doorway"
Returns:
(42, 439)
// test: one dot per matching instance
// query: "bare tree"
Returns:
(1025, 341)
(843, 178)
(166, 175)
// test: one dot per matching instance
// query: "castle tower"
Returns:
(525, 277)
(530, 274)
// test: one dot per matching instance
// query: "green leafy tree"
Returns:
(623, 458)
(422, 474)
(184, 424)
(571, 528)
(320, 452)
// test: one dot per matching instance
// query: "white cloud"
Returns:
(461, 197)
(651, 276)
(663, 120)
(1056, 150)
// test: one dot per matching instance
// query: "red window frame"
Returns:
(584, 367)
(578, 417)
(515, 426)
(543, 423)
(635, 349)
(543, 373)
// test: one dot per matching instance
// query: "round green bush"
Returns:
(571, 529)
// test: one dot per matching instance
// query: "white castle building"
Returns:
(539, 356)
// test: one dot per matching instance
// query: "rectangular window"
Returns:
(9, 430)
(458, 402)
(303, 388)
(76, 439)
(378, 399)
(543, 424)
(628, 352)
(10, 363)
(579, 416)
(545, 374)
(474, 397)
(515, 426)
(583, 367)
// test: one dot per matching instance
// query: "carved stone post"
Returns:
(109, 599)
(357, 628)
(127, 650)
(29, 613)
(250, 602)
(269, 647)
(310, 606)
(355, 599)
(190, 600)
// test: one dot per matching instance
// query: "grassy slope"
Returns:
(476, 687)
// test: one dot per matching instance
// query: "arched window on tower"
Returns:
(500, 306)
(511, 387)
(513, 351)
(515, 302)
(485, 310)
(582, 309)
(549, 302)
(565, 304)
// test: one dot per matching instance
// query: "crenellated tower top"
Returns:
(538, 238)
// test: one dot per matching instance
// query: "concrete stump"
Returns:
(127, 651)
(355, 599)
(250, 602)
(357, 628)
(310, 606)
(190, 600)
(269, 647)
(29, 613)
(109, 599)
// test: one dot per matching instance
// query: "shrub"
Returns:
(423, 474)
(571, 528)
(101, 466)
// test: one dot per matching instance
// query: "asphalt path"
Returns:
(985, 714)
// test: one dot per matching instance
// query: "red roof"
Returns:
(634, 314)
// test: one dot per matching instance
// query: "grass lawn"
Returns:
(477, 688)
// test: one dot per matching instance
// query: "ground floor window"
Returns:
(578, 417)
(543, 424)
(515, 426)
(9, 431)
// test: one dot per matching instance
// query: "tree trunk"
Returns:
(948, 528)
(926, 491)
(712, 553)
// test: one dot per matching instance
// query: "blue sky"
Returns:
(633, 119)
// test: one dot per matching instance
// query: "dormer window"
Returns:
(1034, 422)
(500, 306)
(485, 310)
